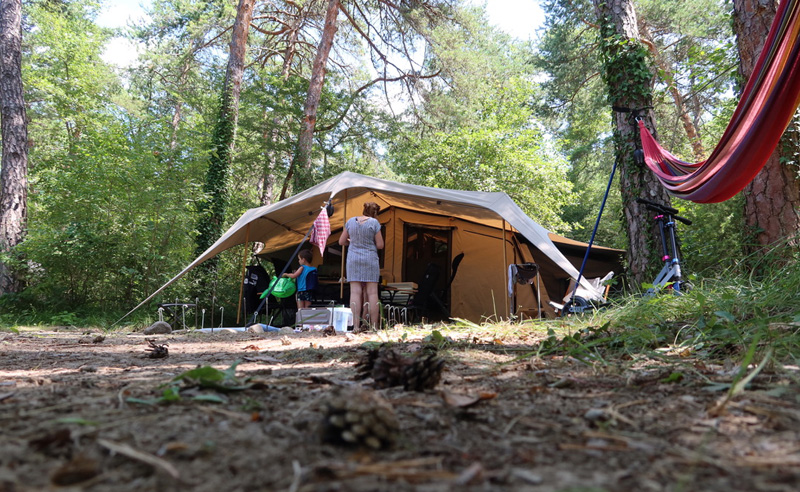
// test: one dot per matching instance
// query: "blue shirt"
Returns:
(301, 280)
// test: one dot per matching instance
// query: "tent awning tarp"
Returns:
(285, 223)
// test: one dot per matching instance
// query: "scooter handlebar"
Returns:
(659, 207)
(663, 209)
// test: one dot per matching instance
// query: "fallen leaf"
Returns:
(459, 400)
(77, 470)
(172, 447)
(60, 438)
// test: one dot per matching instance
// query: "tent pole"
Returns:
(244, 267)
(344, 248)
(591, 241)
(394, 246)
(505, 267)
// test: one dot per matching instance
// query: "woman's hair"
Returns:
(371, 209)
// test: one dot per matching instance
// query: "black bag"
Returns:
(255, 282)
(526, 273)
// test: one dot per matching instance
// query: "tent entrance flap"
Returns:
(423, 245)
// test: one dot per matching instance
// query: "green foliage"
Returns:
(203, 377)
(211, 210)
(574, 108)
(717, 320)
(694, 40)
(104, 229)
(478, 132)
(67, 85)
(626, 68)
(710, 244)
(437, 340)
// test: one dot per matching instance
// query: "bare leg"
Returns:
(356, 302)
(374, 306)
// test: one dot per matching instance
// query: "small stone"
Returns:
(256, 328)
(595, 414)
(158, 328)
(527, 476)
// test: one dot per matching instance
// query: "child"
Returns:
(304, 291)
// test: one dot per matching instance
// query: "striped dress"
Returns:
(362, 254)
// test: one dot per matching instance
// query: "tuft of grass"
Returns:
(719, 319)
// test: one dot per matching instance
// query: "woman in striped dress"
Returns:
(363, 237)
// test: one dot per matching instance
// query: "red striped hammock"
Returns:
(766, 107)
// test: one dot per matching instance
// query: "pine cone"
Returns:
(425, 372)
(389, 368)
(365, 365)
(359, 418)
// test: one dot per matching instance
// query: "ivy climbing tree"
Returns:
(627, 74)
(212, 210)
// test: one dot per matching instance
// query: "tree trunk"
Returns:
(14, 171)
(212, 212)
(628, 77)
(773, 197)
(302, 156)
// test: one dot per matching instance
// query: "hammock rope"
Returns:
(765, 109)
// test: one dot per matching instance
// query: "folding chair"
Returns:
(526, 273)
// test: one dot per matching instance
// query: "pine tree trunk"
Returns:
(212, 213)
(14, 172)
(628, 79)
(773, 197)
(302, 156)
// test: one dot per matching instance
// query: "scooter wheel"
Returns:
(576, 305)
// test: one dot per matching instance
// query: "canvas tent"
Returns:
(424, 225)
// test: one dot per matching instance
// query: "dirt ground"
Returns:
(81, 411)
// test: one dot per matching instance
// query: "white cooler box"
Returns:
(319, 318)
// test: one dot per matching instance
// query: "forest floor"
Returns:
(95, 411)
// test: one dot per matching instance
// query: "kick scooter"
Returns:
(670, 275)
